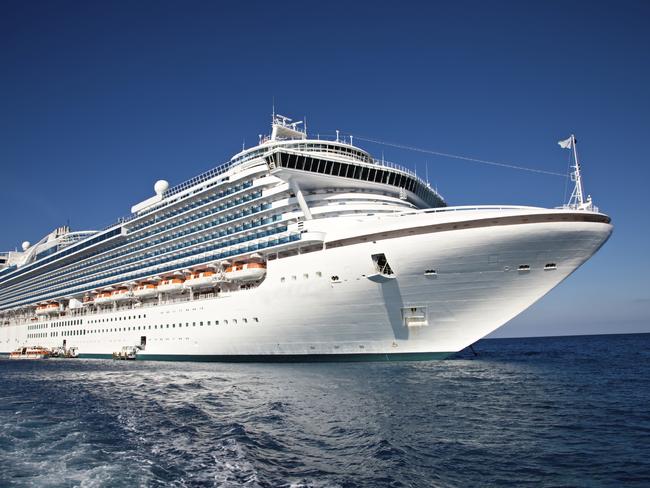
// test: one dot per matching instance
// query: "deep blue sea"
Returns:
(569, 411)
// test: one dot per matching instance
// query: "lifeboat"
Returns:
(121, 295)
(47, 309)
(41, 310)
(171, 285)
(30, 353)
(103, 298)
(201, 279)
(88, 300)
(145, 290)
(246, 271)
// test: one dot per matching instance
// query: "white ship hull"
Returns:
(321, 252)
(456, 279)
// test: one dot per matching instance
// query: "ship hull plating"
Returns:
(445, 290)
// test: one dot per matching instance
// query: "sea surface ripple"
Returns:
(571, 411)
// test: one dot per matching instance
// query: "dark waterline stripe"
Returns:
(285, 358)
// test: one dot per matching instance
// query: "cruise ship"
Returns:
(299, 249)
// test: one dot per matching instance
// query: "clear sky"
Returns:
(100, 99)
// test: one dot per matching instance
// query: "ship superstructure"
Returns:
(297, 247)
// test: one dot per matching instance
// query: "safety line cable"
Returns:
(455, 156)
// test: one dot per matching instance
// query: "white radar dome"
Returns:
(26, 245)
(160, 187)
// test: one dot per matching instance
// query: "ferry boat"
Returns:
(298, 248)
(25, 352)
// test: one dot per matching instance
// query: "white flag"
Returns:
(566, 143)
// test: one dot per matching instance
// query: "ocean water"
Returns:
(572, 411)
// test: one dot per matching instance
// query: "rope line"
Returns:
(464, 158)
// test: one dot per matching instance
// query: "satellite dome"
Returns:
(26, 245)
(160, 187)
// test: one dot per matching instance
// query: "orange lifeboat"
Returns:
(145, 290)
(201, 279)
(47, 309)
(171, 285)
(103, 298)
(41, 310)
(121, 295)
(246, 271)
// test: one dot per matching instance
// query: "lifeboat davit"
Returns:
(122, 295)
(103, 298)
(171, 285)
(201, 279)
(145, 290)
(246, 271)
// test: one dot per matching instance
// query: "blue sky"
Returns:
(98, 100)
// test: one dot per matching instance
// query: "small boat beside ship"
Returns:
(62, 352)
(39, 352)
(30, 353)
(127, 353)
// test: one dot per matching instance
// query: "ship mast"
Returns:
(577, 200)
